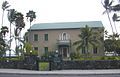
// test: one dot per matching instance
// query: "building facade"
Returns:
(50, 37)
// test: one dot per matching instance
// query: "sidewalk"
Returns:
(60, 72)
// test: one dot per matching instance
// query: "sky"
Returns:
(50, 11)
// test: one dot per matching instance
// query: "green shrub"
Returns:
(75, 56)
(44, 66)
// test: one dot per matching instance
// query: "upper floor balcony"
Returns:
(64, 42)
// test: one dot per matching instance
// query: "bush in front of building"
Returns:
(76, 56)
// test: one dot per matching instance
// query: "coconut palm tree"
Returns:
(19, 24)
(4, 30)
(11, 18)
(30, 16)
(2, 47)
(107, 5)
(115, 18)
(5, 5)
(87, 38)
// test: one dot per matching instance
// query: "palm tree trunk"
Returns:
(30, 26)
(16, 50)
(10, 42)
(2, 18)
(29, 32)
(110, 21)
(115, 27)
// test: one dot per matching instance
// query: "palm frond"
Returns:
(110, 3)
(116, 7)
(104, 12)
(5, 5)
(77, 42)
(79, 47)
(106, 2)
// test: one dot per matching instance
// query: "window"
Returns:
(64, 36)
(83, 50)
(46, 37)
(46, 50)
(95, 50)
(36, 48)
(35, 37)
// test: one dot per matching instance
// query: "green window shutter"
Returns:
(35, 37)
(46, 50)
(46, 37)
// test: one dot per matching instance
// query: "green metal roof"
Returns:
(66, 25)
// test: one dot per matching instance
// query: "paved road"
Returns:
(16, 75)
(60, 73)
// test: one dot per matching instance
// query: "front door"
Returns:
(64, 51)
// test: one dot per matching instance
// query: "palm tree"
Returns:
(11, 18)
(19, 23)
(2, 47)
(4, 30)
(107, 5)
(87, 38)
(115, 18)
(30, 16)
(5, 5)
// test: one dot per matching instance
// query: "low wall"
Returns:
(98, 64)
(65, 65)
(30, 63)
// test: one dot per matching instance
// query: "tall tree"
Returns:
(87, 38)
(5, 5)
(19, 24)
(11, 18)
(115, 18)
(30, 16)
(2, 46)
(112, 44)
(4, 30)
(107, 5)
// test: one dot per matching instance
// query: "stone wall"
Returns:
(30, 63)
(64, 65)
(98, 64)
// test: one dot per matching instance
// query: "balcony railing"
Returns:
(63, 42)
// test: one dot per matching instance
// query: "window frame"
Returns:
(45, 50)
(46, 37)
(34, 37)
